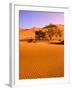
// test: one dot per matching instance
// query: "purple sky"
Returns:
(29, 19)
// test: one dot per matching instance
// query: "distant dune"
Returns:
(25, 33)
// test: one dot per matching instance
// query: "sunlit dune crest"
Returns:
(24, 33)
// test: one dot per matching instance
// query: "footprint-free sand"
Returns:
(40, 60)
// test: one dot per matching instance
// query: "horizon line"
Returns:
(39, 27)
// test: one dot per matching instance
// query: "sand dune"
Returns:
(41, 60)
(25, 33)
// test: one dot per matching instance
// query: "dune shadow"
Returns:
(58, 43)
(36, 41)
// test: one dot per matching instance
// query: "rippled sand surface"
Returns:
(40, 60)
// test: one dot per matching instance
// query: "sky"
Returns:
(29, 19)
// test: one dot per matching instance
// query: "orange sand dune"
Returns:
(40, 60)
(25, 33)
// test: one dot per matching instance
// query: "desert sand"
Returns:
(40, 60)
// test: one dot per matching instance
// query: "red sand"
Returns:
(40, 60)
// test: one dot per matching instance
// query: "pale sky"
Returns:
(29, 19)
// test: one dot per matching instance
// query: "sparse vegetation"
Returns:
(39, 35)
(52, 32)
(49, 33)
